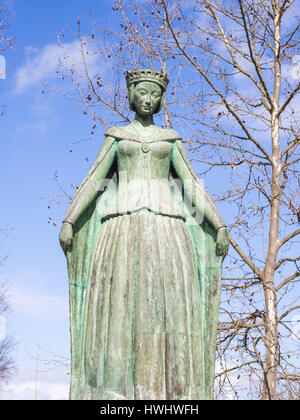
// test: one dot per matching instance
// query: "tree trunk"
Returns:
(271, 321)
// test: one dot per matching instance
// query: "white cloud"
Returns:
(46, 391)
(41, 306)
(49, 386)
(291, 70)
(39, 128)
(41, 64)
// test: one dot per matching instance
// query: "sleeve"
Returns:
(194, 190)
(89, 188)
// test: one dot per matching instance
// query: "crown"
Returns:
(147, 75)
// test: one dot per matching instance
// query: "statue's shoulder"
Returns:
(117, 132)
(122, 133)
(167, 134)
(128, 132)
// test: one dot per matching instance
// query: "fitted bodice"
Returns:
(144, 160)
(143, 169)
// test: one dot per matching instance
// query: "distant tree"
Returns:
(7, 342)
(5, 40)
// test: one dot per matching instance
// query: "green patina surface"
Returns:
(145, 245)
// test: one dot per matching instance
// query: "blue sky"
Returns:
(36, 132)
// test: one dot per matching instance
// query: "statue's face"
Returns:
(147, 98)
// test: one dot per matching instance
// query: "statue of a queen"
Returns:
(145, 244)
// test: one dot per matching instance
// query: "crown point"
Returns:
(151, 75)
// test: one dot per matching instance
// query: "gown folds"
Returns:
(144, 277)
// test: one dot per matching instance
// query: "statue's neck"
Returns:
(144, 121)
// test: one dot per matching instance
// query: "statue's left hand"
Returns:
(222, 242)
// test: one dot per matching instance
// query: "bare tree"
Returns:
(5, 40)
(7, 342)
(235, 94)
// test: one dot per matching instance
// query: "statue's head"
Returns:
(145, 82)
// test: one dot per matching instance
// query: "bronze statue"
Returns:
(145, 245)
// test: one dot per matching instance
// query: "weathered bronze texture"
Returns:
(145, 245)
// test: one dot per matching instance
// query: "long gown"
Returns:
(144, 280)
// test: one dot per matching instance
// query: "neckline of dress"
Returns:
(147, 135)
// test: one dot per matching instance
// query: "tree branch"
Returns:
(247, 260)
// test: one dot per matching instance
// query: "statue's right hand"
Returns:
(66, 237)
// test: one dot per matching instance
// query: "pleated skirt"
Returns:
(143, 336)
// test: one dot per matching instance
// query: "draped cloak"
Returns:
(80, 257)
